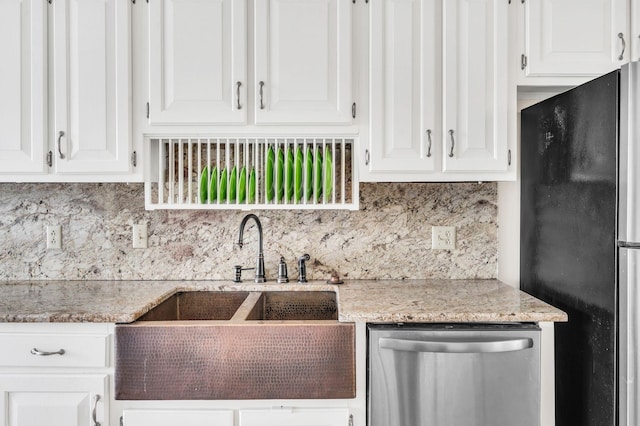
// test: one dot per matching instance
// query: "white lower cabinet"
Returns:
(177, 417)
(278, 416)
(54, 374)
(295, 417)
(53, 400)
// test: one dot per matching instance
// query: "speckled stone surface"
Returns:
(441, 301)
(388, 238)
(358, 301)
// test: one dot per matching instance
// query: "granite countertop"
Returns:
(358, 301)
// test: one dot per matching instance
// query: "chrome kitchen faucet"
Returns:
(260, 260)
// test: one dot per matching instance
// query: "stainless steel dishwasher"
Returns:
(454, 375)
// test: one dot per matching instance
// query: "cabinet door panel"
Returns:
(634, 53)
(178, 417)
(406, 92)
(475, 101)
(295, 417)
(52, 400)
(91, 75)
(575, 37)
(198, 56)
(22, 84)
(303, 58)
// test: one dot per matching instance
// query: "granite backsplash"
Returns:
(388, 238)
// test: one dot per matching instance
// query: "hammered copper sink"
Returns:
(237, 345)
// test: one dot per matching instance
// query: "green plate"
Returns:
(317, 176)
(222, 194)
(203, 187)
(298, 188)
(290, 176)
(269, 173)
(328, 172)
(252, 186)
(233, 184)
(242, 185)
(308, 176)
(213, 185)
(280, 175)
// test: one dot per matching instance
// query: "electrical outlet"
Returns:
(443, 238)
(54, 237)
(140, 233)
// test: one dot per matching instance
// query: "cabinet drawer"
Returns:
(21, 350)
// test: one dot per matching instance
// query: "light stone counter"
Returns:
(358, 301)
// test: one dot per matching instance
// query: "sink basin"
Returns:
(295, 305)
(237, 345)
(197, 305)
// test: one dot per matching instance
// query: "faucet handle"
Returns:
(238, 273)
(282, 272)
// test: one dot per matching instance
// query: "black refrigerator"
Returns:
(580, 234)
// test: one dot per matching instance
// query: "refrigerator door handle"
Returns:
(629, 244)
(456, 346)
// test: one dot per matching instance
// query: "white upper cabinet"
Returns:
(406, 101)
(574, 38)
(23, 27)
(208, 67)
(198, 62)
(65, 81)
(635, 31)
(303, 61)
(439, 91)
(91, 79)
(475, 84)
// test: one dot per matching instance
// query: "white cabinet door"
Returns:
(576, 37)
(53, 400)
(635, 31)
(22, 85)
(198, 61)
(177, 417)
(91, 129)
(406, 105)
(295, 417)
(303, 61)
(475, 84)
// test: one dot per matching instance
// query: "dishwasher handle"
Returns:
(456, 345)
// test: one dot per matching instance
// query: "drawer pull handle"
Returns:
(35, 351)
(94, 415)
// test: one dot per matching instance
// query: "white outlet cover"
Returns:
(443, 238)
(54, 237)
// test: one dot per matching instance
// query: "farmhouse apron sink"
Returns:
(237, 345)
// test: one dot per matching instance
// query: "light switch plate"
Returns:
(443, 237)
(140, 234)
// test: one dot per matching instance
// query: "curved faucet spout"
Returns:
(260, 278)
